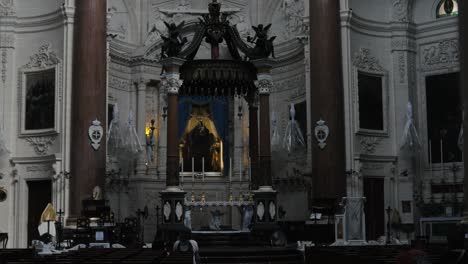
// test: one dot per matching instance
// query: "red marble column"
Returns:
(463, 31)
(328, 163)
(253, 141)
(172, 84)
(88, 166)
(264, 85)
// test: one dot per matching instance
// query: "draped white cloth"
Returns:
(293, 138)
(3, 147)
(275, 136)
(410, 135)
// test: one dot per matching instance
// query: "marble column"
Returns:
(463, 31)
(264, 197)
(328, 148)
(172, 197)
(253, 140)
(264, 85)
(88, 141)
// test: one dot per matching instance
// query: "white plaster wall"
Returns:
(28, 8)
(379, 10)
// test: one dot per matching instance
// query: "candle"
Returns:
(430, 158)
(442, 157)
(193, 170)
(230, 170)
(250, 170)
(182, 170)
(203, 168)
(240, 168)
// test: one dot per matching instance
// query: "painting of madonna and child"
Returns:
(201, 140)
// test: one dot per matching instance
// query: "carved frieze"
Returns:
(440, 54)
(364, 61)
(41, 144)
(369, 144)
(119, 83)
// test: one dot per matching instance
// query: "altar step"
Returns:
(251, 255)
(244, 239)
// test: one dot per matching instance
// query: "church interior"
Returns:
(233, 131)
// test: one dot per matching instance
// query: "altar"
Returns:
(218, 216)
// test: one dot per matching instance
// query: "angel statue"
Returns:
(263, 45)
(215, 222)
(174, 42)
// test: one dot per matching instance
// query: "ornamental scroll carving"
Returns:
(41, 144)
(45, 57)
(364, 61)
(443, 52)
(369, 144)
(7, 8)
(402, 10)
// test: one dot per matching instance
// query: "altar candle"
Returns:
(430, 158)
(193, 169)
(250, 170)
(442, 157)
(240, 169)
(230, 170)
(203, 169)
(182, 170)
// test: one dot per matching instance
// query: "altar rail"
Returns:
(220, 203)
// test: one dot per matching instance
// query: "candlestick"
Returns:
(442, 157)
(430, 158)
(240, 168)
(230, 171)
(203, 169)
(193, 170)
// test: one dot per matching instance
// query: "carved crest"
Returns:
(321, 132)
(95, 134)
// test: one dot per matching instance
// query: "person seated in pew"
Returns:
(415, 255)
(185, 243)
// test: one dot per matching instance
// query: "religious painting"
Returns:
(203, 126)
(40, 100)
(370, 102)
(201, 141)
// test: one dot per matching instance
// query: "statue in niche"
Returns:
(174, 42)
(40, 100)
(263, 45)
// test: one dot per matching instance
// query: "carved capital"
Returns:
(172, 83)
